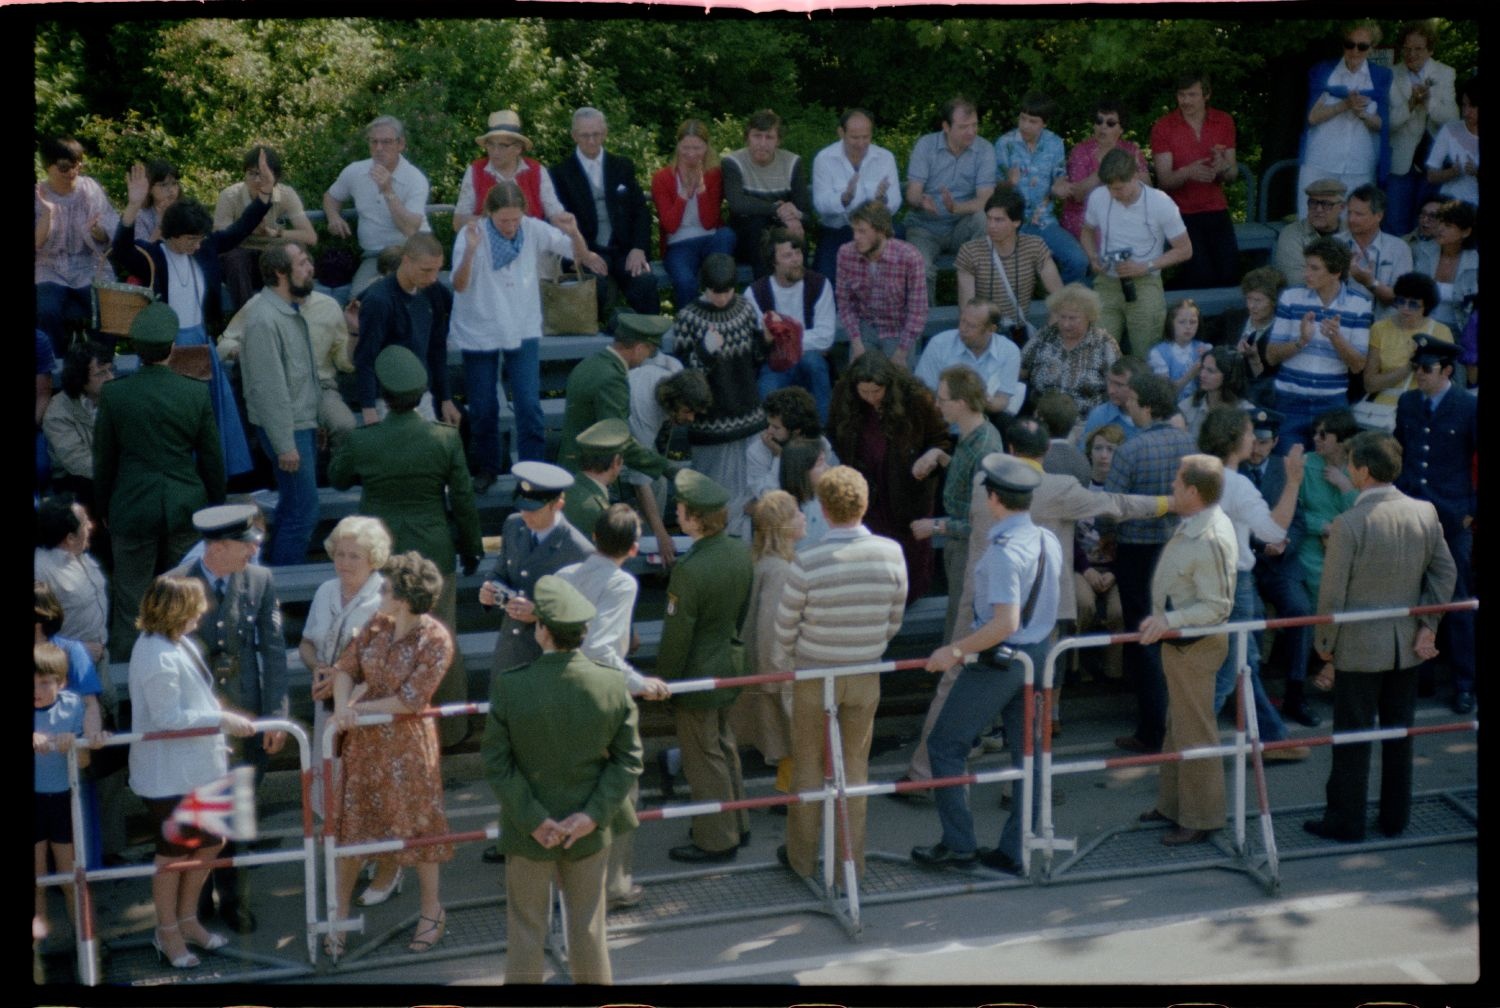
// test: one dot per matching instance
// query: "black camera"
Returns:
(1127, 284)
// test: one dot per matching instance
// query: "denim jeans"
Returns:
(1272, 728)
(811, 373)
(481, 386)
(1072, 263)
(683, 259)
(57, 307)
(297, 503)
(1298, 413)
(826, 255)
(979, 693)
(1403, 197)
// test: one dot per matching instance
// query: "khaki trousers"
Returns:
(1191, 793)
(455, 685)
(527, 903)
(857, 697)
(1142, 319)
(711, 764)
(621, 875)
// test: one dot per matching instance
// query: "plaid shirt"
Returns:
(1046, 365)
(1147, 464)
(889, 293)
(958, 484)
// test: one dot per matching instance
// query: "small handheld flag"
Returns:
(224, 807)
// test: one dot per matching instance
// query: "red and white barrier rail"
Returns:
(1247, 744)
(87, 937)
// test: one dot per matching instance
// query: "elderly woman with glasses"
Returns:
(1084, 158)
(1347, 134)
(505, 147)
(392, 782)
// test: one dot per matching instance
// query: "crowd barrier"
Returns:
(842, 901)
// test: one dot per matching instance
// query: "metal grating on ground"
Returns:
(136, 964)
(475, 927)
(1436, 817)
(716, 894)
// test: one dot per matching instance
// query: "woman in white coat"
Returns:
(171, 689)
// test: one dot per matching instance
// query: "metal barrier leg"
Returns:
(1242, 701)
(1271, 876)
(557, 926)
(828, 809)
(87, 945)
(848, 915)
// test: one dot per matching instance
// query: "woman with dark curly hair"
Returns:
(886, 424)
(392, 783)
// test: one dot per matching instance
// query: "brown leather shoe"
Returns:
(1181, 836)
(1153, 815)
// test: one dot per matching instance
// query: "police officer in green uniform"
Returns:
(599, 388)
(700, 638)
(411, 471)
(157, 459)
(561, 751)
(600, 458)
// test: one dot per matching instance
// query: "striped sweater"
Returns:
(842, 603)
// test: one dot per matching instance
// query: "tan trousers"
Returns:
(711, 764)
(455, 685)
(857, 697)
(1191, 793)
(581, 883)
(621, 874)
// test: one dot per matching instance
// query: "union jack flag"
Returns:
(224, 807)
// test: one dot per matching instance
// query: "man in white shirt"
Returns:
(978, 344)
(1131, 233)
(846, 174)
(389, 192)
(62, 561)
(794, 294)
(1376, 258)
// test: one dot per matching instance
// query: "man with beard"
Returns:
(282, 394)
(881, 290)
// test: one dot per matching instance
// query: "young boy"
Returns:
(58, 717)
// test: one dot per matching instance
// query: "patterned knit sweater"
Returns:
(732, 369)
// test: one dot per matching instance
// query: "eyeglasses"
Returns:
(1100, 120)
(1361, 46)
(1415, 304)
(1325, 204)
(384, 141)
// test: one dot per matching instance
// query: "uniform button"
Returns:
(1424, 463)
(1427, 447)
(523, 573)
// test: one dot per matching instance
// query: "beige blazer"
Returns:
(1407, 126)
(1387, 551)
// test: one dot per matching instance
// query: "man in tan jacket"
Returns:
(1386, 551)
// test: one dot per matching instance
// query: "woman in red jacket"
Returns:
(689, 193)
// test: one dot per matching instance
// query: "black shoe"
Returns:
(1294, 706)
(998, 860)
(1463, 702)
(483, 481)
(693, 854)
(744, 838)
(493, 854)
(238, 917)
(667, 791)
(778, 809)
(1320, 828)
(939, 855)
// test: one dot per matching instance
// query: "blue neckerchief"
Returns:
(503, 250)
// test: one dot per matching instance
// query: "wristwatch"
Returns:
(958, 652)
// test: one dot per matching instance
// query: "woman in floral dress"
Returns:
(392, 783)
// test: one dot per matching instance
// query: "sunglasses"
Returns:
(1416, 304)
(1361, 46)
(1324, 204)
(1103, 121)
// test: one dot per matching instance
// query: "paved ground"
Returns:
(1378, 918)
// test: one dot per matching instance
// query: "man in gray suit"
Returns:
(241, 639)
(534, 541)
(1387, 551)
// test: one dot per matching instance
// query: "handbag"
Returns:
(1372, 415)
(570, 305)
(115, 305)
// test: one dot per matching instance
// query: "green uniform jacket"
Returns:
(599, 389)
(404, 464)
(706, 601)
(583, 503)
(561, 737)
(157, 456)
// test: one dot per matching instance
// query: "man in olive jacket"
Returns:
(561, 751)
(405, 464)
(157, 459)
(599, 388)
(700, 638)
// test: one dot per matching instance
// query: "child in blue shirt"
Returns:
(1177, 357)
(57, 719)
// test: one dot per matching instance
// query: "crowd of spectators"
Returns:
(754, 420)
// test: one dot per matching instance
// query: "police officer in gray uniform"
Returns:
(534, 541)
(241, 639)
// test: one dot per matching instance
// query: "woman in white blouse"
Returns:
(359, 547)
(171, 689)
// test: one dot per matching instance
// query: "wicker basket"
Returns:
(117, 304)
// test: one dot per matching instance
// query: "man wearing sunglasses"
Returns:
(1193, 147)
(1347, 135)
(1324, 219)
(1437, 427)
